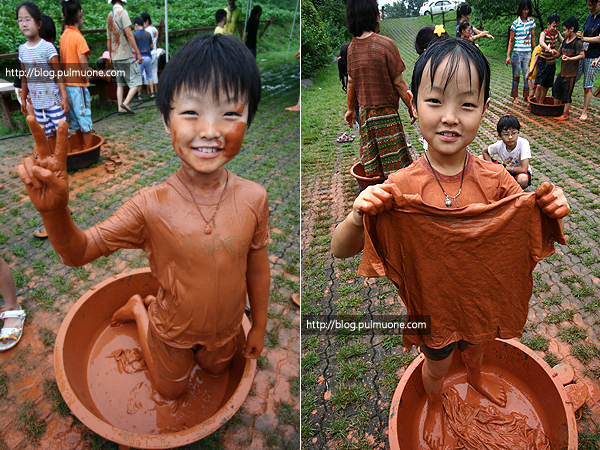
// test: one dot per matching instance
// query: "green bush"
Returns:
(315, 47)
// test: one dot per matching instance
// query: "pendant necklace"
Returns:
(207, 228)
(449, 198)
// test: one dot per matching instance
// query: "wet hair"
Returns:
(571, 22)
(101, 63)
(70, 11)
(146, 17)
(138, 21)
(32, 9)
(220, 15)
(211, 64)
(361, 16)
(463, 10)
(256, 11)
(457, 51)
(426, 36)
(506, 123)
(553, 18)
(462, 27)
(48, 30)
(343, 65)
(524, 4)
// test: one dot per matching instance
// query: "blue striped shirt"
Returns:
(43, 89)
(523, 32)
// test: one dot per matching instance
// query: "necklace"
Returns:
(448, 201)
(207, 228)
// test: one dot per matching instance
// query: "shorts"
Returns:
(80, 113)
(146, 68)
(589, 73)
(516, 175)
(128, 72)
(49, 118)
(545, 74)
(175, 364)
(439, 354)
(563, 88)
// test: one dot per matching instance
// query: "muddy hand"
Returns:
(552, 201)
(372, 201)
(46, 178)
(254, 344)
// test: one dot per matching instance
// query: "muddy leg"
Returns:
(87, 139)
(473, 357)
(433, 380)
(216, 361)
(7, 289)
(135, 310)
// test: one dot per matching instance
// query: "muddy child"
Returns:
(205, 230)
(433, 227)
(550, 40)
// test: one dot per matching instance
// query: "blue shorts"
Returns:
(49, 118)
(146, 67)
(80, 113)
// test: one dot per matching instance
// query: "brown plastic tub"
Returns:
(123, 407)
(530, 383)
(548, 108)
(78, 158)
(358, 172)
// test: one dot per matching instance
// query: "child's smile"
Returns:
(207, 133)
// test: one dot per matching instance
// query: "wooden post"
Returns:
(161, 32)
(443, 19)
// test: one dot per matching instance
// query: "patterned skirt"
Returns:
(383, 148)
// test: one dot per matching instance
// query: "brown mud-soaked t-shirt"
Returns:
(202, 277)
(469, 268)
(373, 64)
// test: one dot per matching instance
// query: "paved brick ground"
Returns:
(348, 381)
(31, 409)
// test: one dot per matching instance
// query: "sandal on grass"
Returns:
(116, 159)
(109, 166)
(345, 138)
(9, 337)
(41, 232)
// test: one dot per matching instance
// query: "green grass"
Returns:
(53, 395)
(30, 422)
(346, 395)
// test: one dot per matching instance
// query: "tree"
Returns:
(413, 7)
(396, 10)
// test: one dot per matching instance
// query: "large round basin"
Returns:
(358, 172)
(547, 108)
(531, 389)
(124, 407)
(80, 158)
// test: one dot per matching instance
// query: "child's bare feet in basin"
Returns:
(128, 312)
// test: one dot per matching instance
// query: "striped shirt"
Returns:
(552, 42)
(523, 32)
(41, 85)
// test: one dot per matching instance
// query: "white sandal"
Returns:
(9, 337)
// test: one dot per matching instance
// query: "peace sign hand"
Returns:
(46, 178)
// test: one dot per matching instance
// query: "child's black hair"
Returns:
(220, 15)
(256, 11)
(457, 50)
(524, 4)
(426, 36)
(571, 22)
(101, 63)
(32, 9)
(508, 122)
(211, 64)
(48, 30)
(146, 17)
(463, 10)
(361, 16)
(552, 18)
(138, 21)
(70, 11)
(343, 65)
(462, 27)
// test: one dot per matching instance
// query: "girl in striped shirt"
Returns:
(39, 61)
(522, 35)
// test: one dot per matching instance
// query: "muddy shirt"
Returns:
(373, 64)
(119, 45)
(202, 277)
(571, 49)
(469, 268)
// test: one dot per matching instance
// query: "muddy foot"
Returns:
(491, 390)
(583, 117)
(563, 117)
(516, 101)
(433, 428)
(148, 300)
(127, 312)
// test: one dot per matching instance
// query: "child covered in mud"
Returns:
(433, 228)
(205, 230)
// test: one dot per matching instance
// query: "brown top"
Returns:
(120, 48)
(373, 64)
(73, 44)
(469, 268)
(202, 276)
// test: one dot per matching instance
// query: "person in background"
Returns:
(463, 14)
(234, 19)
(220, 18)
(591, 45)
(155, 50)
(143, 40)
(522, 35)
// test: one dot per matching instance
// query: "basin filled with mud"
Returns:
(537, 403)
(548, 108)
(358, 172)
(80, 157)
(122, 406)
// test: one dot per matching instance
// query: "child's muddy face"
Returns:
(207, 133)
(449, 111)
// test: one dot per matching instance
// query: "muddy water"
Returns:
(128, 400)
